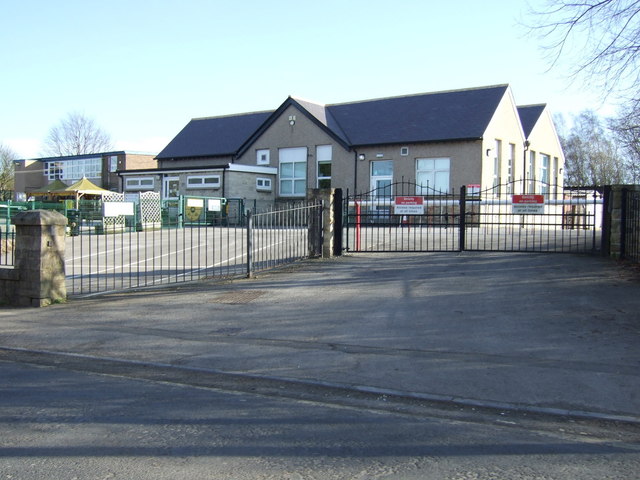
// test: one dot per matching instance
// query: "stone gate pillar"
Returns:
(39, 258)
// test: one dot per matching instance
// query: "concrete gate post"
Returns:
(39, 259)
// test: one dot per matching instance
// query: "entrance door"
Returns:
(381, 188)
(171, 188)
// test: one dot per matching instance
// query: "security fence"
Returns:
(115, 259)
(630, 225)
(513, 217)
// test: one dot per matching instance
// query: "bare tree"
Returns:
(603, 34)
(626, 128)
(75, 135)
(591, 155)
(7, 156)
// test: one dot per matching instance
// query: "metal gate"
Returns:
(513, 217)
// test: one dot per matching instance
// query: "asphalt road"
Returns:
(447, 366)
(64, 424)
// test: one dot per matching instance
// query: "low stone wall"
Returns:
(38, 276)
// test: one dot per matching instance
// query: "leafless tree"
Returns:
(7, 156)
(75, 135)
(626, 128)
(604, 36)
(591, 155)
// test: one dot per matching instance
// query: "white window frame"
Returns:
(296, 159)
(263, 156)
(434, 168)
(510, 166)
(166, 187)
(74, 170)
(264, 184)
(199, 181)
(544, 164)
(324, 155)
(404, 151)
(497, 166)
(136, 183)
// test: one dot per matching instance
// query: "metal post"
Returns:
(462, 222)
(249, 244)
(337, 222)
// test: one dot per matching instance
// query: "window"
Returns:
(432, 174)
(510, 162)
(293, 171)
(544, 173)
(323, 156)
(203, 181)
(263, 184)
(139, 183)
(554, 175)
(262, 157)
(73, 170)
(531, 169)
(404, 151)
(113, 163)
(497, 166)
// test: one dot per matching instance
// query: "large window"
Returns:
(432, 174)
(323, 156)
(293, 172)
(73, 170)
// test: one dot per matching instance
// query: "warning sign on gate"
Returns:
(409, 206)
(528, 204)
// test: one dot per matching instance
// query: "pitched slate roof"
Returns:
(529, 116)
(215, 136)
(427, 117)
(453, 115)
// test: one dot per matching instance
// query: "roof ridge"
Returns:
(532, 105)
(468, 89)
(306, 100)
(229, 115)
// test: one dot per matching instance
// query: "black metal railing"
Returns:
(7, 247)
(630, 225)
(113, 259)
(405, 216)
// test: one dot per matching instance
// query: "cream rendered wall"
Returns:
(544, 140)
(304, 133)
(505, 126)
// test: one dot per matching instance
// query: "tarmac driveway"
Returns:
(552, 333)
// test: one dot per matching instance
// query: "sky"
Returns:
(142, 69)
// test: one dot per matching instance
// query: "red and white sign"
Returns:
(528, 204)
(473, 189)
(409, 206)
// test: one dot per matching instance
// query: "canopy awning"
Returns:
(54, 186)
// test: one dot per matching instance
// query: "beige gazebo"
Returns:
(82, 188)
